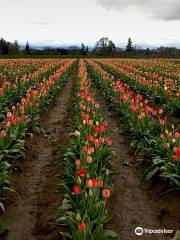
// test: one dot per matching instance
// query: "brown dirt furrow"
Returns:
(32, 215)
(133, 204)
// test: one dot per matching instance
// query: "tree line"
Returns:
(8, 47)
(103, 47)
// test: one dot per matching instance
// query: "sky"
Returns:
(150, 22)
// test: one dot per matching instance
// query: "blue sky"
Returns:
(154, 22)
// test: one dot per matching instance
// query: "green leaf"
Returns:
(2, 207)
(111, 235)
(65, 234)
(150, 173)
(3, 228)
(157, 160)
(66, 207)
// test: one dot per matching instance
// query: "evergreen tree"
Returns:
(14, 47)
(87, 50)
(4, 46)
(129, 47)
(83, 49)
(111, 47)
(27, 48)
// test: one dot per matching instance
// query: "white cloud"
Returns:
(159, 9)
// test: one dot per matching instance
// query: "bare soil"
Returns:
(132, 203)
(32, 212)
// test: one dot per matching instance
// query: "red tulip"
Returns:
(109, 142)
(177, 134)
(96, 143)
(106, 193)
(89, 138)
(82, 227)
(176, 151)
(89, 183)
(7, 124)
(88, 150)
(101, 139)
(100, 183)
(90, 122)
(95, 183)
(81, 172)
(162, 121)
(76, 189)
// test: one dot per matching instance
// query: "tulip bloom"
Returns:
(160, 111)
(9, 114)
(100, 183)
(77, 134)
(96, 143)
(90, 122)
(77, 162)
(177, 134)
(88, 150)
(89, 183)
(89, 138)
(167, 145)
(101, 139)
(162, 121)
(76, 189)
(109, 142)
(176, 151)
(81, 172)
(106, 193)
(95, 182)
(3, 133)
(89, 159)
(82, 227)
(161, 135)
(7, 124)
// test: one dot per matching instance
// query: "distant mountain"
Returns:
(57, 44)
(51, 44)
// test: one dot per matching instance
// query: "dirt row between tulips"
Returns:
(132, 203)
(32, 212)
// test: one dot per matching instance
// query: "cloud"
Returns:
(166, 10)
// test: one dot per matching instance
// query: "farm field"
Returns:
(89, 148)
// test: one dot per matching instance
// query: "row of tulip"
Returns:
(157, 76)
(12, 91)
(86, 180)
(162, 90)
(16, 68)
(138, 101)
(147, 125)
(18, 115)
(166, 68)
(19, 121)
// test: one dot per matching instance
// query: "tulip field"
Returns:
(149, 104)
(71, 112)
